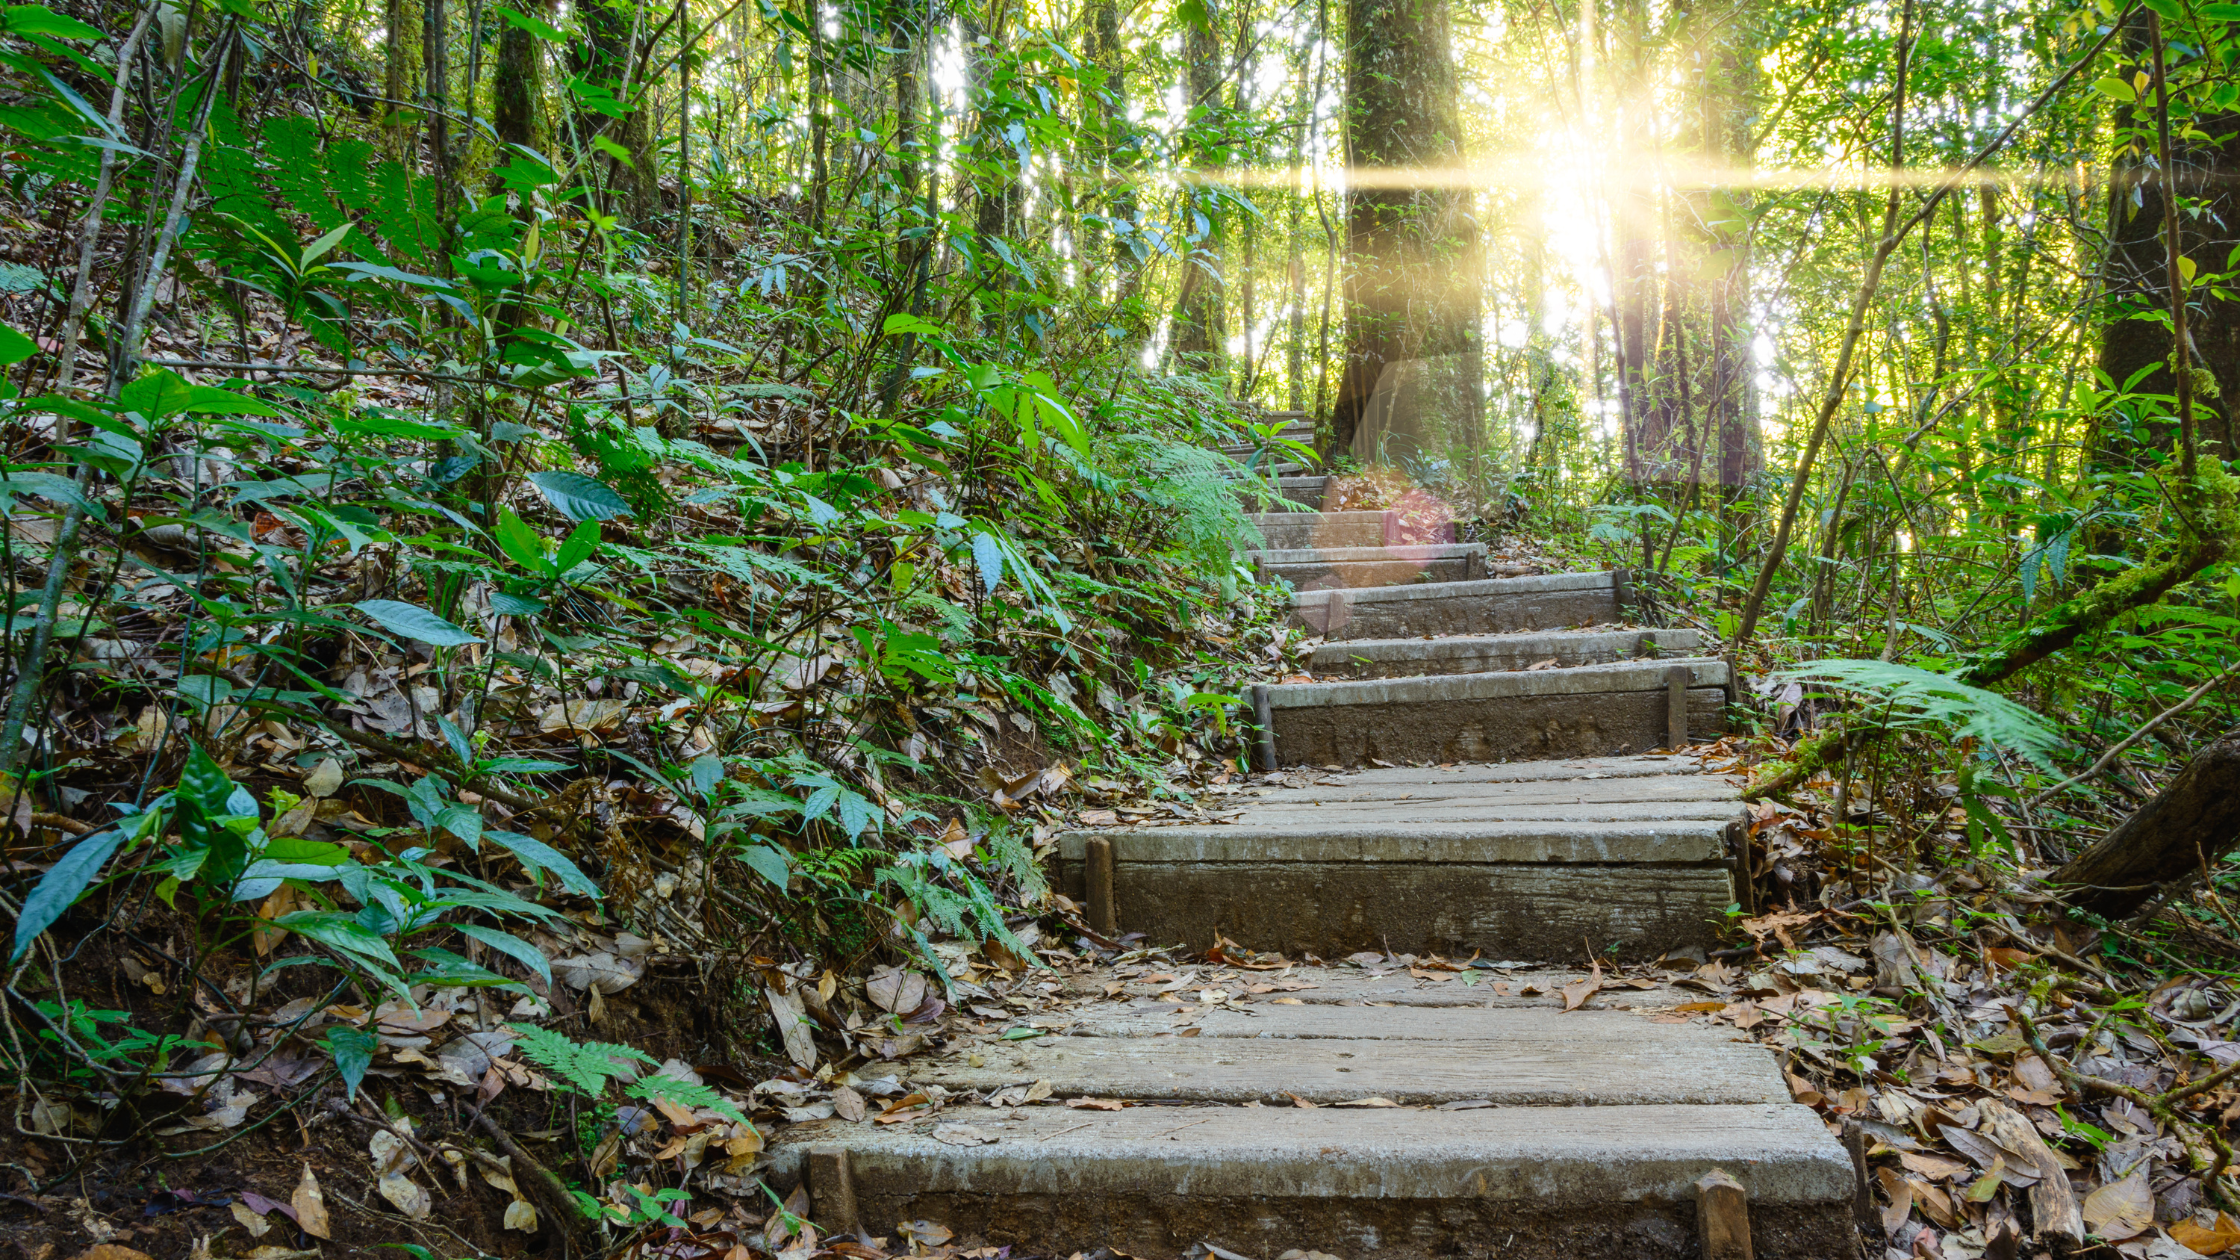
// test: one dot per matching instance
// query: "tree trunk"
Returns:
(519, 113)
(1201, 327)
(606, 56)
(400, 80)
(1412, 299)
(1118, 154)
(2184, 830)
(2135, 276)
(435, 48)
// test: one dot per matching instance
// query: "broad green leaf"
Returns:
(338, 931)
(579, 547)
(905, 322)
(581, 498)
(2115, 89)
(511, 946)
(62, 885)
(352, 1049)
(536, 853)
(520, 542)
(767, 862)
(159, 394)
(14, 346)
(414, 622)
(208, 400)
(463, 821)
(34, 19)
(541, 29)
(320, 248)
(987, 553)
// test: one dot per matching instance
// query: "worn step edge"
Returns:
(1554, 1157)
(1293, 557)
(1618, 676)
(1479, 588)
(1478, 844)
(1565, 646)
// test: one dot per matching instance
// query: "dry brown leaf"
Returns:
(112, 1251)
(406, 1194)
(848, 1104)
(250, 1220)
(1095, 1104)
(311, 1207)
(522, 1216)
(1900, 1192)
(1935, 1204)
(1934, 1167)
(2214, 1240)
(1577, 992)
(2121, 1209)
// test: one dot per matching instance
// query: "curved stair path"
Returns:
(1488, 766)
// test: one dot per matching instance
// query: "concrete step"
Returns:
(1583, 711)
(1295, 531)
(1515, 1058)
(1567, 1135)
(1491, 606)
(1305, 491)
(1501, 859)
(1327, 568)
(1523, 1183)
(1486, 653)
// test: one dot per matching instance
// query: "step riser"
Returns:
(1441, 613)
(1551, 1184)
(1416, 658)
(1322, 576)
(1526, 910)
(1301, 531)
(1505, 728)
(1305, 491)
(1157, 1225)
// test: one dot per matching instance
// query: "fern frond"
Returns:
(1919, 698)
(585, 1067)
(663, 1088)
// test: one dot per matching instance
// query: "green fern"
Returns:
(1192, 500)
(683, 1093)
(1910, 697)
(1008, 853)
(585, 1067)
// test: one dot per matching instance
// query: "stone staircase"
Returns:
(1480, 766)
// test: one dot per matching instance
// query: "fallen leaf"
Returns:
(1934, 1167)
(1935, 1204)
(793, 1026)
(256, 1224)
(1095, 1104)
(848, 1104)
(961, 1135)
(325, 780)
(2121, 1209)
(2213, 1240)
(1579, 991)
(925, 1233)
(1900, 1208)
(112, 1251)
(522, 1216)
(406, 1194)
(1367, 1102)
(311, 1207)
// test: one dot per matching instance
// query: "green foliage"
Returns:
(586, 1067)
(1906, 696)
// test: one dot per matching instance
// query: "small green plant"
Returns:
(588, 1068)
